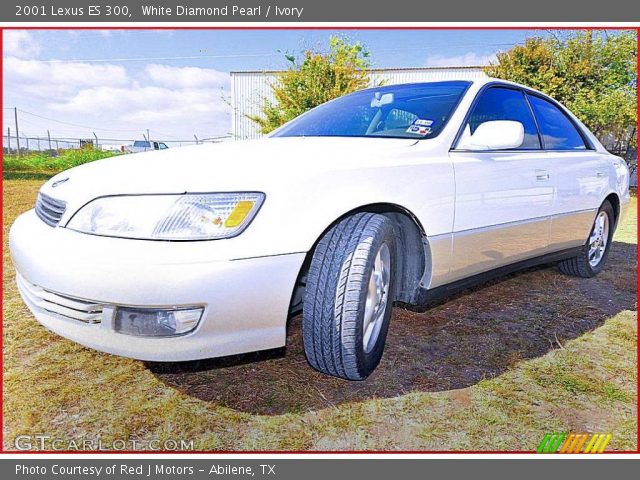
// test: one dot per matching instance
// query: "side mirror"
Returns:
(493, 135)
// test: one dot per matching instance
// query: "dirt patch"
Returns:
(475, 335)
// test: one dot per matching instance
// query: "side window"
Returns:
(498, 103)
(155, 146)
(163, 146)
(558, 132)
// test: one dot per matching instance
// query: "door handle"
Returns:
(542, 175)
(599, 174)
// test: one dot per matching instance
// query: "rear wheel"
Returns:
(593, 255)
(349, 296)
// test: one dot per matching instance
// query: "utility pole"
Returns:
(9, 140)
(148, 136)
(15, 114)
(96, 137)
(194, 136)
(38, 143)
(49, 137)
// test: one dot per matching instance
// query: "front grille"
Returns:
(37, 297)
(49, 209)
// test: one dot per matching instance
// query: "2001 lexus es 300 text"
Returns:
(397, 193)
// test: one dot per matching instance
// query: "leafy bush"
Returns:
(313, 80)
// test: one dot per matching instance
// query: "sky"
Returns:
(175, 83)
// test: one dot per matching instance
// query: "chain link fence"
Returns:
(29, 144)
(53, 145)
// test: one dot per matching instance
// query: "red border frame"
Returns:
(285, 452)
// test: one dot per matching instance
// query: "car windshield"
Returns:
(413, 111)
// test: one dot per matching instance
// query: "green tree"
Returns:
(592, 73)
(313, 79)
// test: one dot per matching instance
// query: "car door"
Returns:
(504, 198)
(580, 172)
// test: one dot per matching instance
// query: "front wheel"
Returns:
(349, 296)
(593, 255)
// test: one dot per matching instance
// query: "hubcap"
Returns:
(377, 298)
(598, 239)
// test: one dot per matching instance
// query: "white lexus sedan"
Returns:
(398, 193)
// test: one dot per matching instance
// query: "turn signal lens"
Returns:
(239, 213)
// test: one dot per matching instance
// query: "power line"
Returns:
(73, 124)
(107, 34)
(249, 55)
(164, 136)
(117, 140)
(143, 59)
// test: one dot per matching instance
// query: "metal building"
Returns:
(250, 89)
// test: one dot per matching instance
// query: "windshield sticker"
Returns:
(423, 122)
(418, 130)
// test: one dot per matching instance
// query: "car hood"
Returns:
(256, 165)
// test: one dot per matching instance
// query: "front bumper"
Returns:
(245, 301)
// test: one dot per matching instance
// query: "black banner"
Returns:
(129, 11)
(315, 469)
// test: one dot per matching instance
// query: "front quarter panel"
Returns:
(300, 208)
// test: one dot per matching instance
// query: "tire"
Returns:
(347, 261)
(591, 260)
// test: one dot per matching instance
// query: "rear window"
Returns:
(141, 144)
(558, 132)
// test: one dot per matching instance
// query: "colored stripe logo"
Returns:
(574, 443)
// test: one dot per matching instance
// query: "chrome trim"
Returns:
(49, 210)
(501, 225)
(76, 309)
(528, 220)
(574, 212)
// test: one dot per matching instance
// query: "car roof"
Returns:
(476, 82)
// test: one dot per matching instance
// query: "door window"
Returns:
(498, 103)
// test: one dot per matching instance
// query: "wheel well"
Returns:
(411, 251)
(615, 203)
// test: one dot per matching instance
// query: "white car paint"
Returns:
(478, 210)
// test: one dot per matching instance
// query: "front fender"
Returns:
(298, 210)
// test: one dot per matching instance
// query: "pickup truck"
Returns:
(143, 146)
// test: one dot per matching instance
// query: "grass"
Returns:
(39, 165)
(492, 369)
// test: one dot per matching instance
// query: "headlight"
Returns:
(168, 217)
